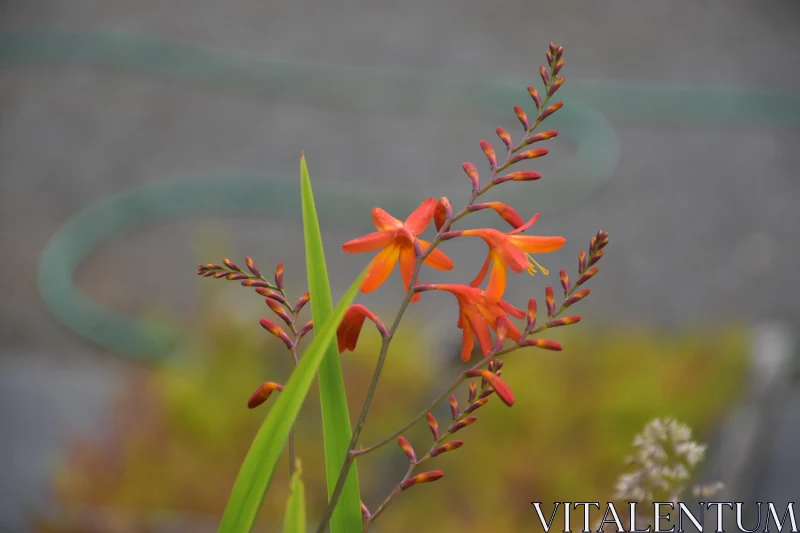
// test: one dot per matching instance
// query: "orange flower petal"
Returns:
(525, 226)
(481, 328)
(468, 341)
(484, 270)
(511, 310)
(384, 221)
(437, 259)
(380, 268)
(537, 245)
(408, 261)
(497, 281)
(368, 243)
(418, 220)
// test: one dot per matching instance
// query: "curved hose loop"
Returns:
(574, 179)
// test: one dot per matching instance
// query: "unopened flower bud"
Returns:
(476, 405)
(577, 297)
(255, 283)
(427, 477)
(541, 136)
(566, 321)
(558, 67)
(407, 449)
(505, 137)
(454, 407)
(461, 425)
(596, 257)
(542, 343)
(473, 389)
(278, 309)
(268, 293)
(472, 173)
(556, 85)
(279, 276)
(552, 108)
(434, 426)
(251, 266)
(550, 300)
(305, 329)
(447, 447)
(535, 95)
(581, 261)
(523, 175)
(442, 213)
(262, 393)
(490, 154)
(550, 58)
(499, 386)
(587, 276)
(485, 394)
(236, 276)
(273, 328)
(523, 117)
(301, 302)
(564, 281)
(220, 274)
(545, 75)
(230, 264)
(529, 154)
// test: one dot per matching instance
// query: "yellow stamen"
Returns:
(533, 265)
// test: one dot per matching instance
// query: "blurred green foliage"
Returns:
(177, 435)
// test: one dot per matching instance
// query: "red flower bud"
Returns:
(305, 329)
(531, 313)
(454, 407)
(464, 423)
(406, 447)
(251, 266)
(558, 67)
(270, 294)
(452, 445)
(545, 76)
(442, 213)
(581, 261)
(523, 175)
(541, 136)
(475, 405)
(279, 276)
(255, 283)
(499, 386)
(505, 137)
(421, 478)
(550, 58)
(508, 213)
(550, 300)
(473, 389)
(577, 297)
(230, 264)
(523, 118)
(490, 154)
(556, 84)
(236, 275)
(550, 110)
(542, 343)
(301, 302)
(587, 276)
(278, 309)
(564, 281)
(434, 426)
(472, 173)
(596, 257)
(566, 321)
(529, 154)
(350, 327)
(535, 95)
(262, 393)
(273, 328)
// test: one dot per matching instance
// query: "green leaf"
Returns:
(336, 430)
(259, 465)
(294, 521)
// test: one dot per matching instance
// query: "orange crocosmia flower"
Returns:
(478, 315)
(396, 239)
(350, 328)
(510, 250)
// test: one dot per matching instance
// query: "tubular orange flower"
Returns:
(350, 327)
(509, 250)
(262, 393)
(396, 240)
(478, 315)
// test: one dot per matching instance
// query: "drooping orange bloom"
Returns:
(397, 242)
(478, 316)
(509, 250)
(350, 328)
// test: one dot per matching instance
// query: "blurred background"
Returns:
(140, 139)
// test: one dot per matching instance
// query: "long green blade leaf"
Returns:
(259, 465)
(336, 430)
(294, 521)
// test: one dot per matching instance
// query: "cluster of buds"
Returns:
(274, 295)
(663, 464)
(490, 383)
